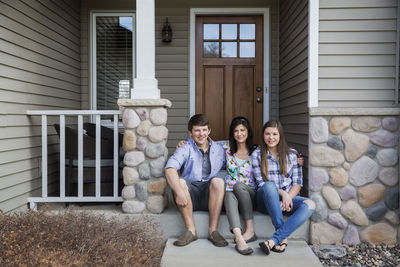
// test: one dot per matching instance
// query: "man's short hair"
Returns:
(198, 120)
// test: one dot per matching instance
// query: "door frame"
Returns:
(266, 61)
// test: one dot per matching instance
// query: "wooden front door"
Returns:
(229, 71)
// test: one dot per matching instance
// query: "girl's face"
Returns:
(240, 134)
(271, 137)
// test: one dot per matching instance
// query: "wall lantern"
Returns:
(166, 32)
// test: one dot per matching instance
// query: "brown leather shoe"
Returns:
(217, 239)
(186, 239)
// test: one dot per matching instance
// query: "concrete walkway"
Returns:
(202, 253)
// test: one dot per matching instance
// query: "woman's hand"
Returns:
(181, 143)
(286, 202)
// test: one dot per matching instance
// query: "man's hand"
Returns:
(286, 203)
(181, 199)
(181, 143)
(300, 159)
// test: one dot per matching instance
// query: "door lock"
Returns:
(258, 89)
(258, 99)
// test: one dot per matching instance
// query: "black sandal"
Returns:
(274, 249)
(265, 248)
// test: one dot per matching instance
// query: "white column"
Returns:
(145, 84)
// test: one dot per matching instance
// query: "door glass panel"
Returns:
(114, 60)
(229, 31)
(247, 31)
(229, 49)
(247, 49)
(211, 31)
(211, 49)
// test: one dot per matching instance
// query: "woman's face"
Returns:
(271, 137)
(240, 134)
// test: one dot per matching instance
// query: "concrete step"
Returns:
(172, 225)
(202, 253)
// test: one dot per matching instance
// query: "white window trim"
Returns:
(192, 58)
(93, 66)
(313, 31)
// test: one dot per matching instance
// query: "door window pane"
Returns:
(114, 68)
(211, 31)
(229, 31)
(247, 49)
(247, 31)
(229, 49)
(211, 49)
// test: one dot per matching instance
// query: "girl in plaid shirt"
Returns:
(279, 179)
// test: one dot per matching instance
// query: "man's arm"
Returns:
(174, 182)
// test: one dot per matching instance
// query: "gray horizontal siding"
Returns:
(357, 53)
(39, 69)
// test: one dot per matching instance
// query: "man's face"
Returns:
(200, 134)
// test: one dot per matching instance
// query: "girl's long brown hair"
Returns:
(283, 149)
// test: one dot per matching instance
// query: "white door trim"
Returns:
(192, 58)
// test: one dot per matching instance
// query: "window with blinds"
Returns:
(114, 63)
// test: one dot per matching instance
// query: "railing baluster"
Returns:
(116, 154)
(98, 156)
(80, 156)
(44, 156)
(62, 156)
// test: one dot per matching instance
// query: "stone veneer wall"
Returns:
(144, 142)
(353, 177)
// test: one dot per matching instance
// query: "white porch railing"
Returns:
(80, 196)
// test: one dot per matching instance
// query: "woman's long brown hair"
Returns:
(283, 149)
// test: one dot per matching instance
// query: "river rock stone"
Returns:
(366, 124)
(380, 233)
(133, 206)
(322, 156)
(392, 217)
(347, 192)
(370, 194)
(376, 212)
(338, 176)
(157, 187)
(387, 157)
(129, 141)
(143, 113)
(389, 176)
(130, 119)
(335, 142)
(321, 209)
(144, 171)
(324, 233)
(131, 175)
(363, 171)
(346, 166)
(329, 251)
(158, 134)
(351, 236)
(392, 198)
(143, 128)
(157, 167)
(390, 124)
(331, 197)
(319, 130)
(371, 151)
(336, 219)
(338, 124)
(158, 116)
(141, 191)
(141, 143)
(352, 211)
(155, 150)
(133, 158)
(384, 138)
(128, 192)
(355, 144)
(317, 178)
(155, 204)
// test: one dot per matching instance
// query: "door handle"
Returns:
(258, 89)
(259, 99)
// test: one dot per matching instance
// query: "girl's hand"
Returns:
(286, 203)
(300, 159)
(181, 143)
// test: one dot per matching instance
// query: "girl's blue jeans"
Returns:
(268, 201)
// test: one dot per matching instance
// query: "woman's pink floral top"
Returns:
(236, 172)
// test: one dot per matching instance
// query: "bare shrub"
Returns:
(77, 239)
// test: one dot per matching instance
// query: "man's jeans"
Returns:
(268, 201)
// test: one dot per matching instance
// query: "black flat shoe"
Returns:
(246, 251)
(265, 248)
(251, 239)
